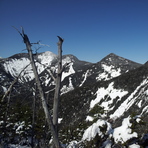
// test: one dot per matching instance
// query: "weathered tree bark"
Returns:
(58, 85)
(42, 96)
(33, 117)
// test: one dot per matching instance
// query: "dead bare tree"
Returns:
(58, 85)
(42, 95)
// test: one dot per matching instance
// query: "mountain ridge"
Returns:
(48, 59)
(98, 100)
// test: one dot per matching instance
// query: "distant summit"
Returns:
(115, 59)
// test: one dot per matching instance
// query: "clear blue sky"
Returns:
(91, 28)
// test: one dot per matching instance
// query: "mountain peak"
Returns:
(112, 54)
(115, 59)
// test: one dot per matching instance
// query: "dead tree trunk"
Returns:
(33, 117)
(42, 96)
(58, 85)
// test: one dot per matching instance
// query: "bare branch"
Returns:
(64, 66)
(47, 92)
(37, 50)
(15, 80)
(44, 44)
(36, 42)
(60, 39)
(48, 70)
(39, 43)
(23, 35)
(18, 31)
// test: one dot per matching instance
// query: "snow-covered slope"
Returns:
(15, 64)
(112, 66)
(103, 104)
(109, 67)
(116, 111)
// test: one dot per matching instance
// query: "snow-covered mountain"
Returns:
(103, 104)
(77, 73)
(15, 64)
(110, 113)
